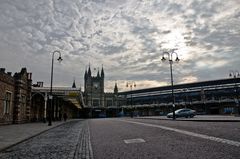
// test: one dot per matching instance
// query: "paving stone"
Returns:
(68, 141)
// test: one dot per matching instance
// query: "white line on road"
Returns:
(89, 142)
(212, 138)
(131, 141)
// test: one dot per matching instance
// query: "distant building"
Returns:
(207, 97)
(92, 102)
(15, 94)
(98, 103)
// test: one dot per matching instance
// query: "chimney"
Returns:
(40, 84)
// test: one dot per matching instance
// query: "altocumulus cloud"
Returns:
(126, 36)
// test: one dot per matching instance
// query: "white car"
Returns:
(185, 112)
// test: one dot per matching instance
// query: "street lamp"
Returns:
(170, 59)
(50, 95)
(131, 85)
(235, 74)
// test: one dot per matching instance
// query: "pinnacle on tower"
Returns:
(102, 72)
(89, 71)
(98, 75)
(74, 85)
(86, 74)
(116, 88)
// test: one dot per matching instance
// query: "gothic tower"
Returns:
(94, 88)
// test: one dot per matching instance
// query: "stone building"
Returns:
(98, 103)
(15, 94)
(94, 88)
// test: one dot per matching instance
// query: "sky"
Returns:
(126, 37)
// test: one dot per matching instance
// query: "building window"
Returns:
(7, 102)
(109, 103)
(96, 102)
(228, 110)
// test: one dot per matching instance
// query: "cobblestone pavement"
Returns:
(67, 141)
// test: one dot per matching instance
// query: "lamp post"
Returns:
(235, 74)
(131, 85)
(50, 95)
(170, 59)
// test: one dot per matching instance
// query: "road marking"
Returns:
(89, 142)
(212, 138)
(131, 141)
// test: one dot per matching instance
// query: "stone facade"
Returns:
(15, 94)
(7, 96)
(94, 95)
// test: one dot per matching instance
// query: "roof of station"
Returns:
(69, 94)
(201, 85)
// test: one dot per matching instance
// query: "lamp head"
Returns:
(60, 59)
(177, 59)
(163, 58)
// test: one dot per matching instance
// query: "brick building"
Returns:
(15, 94)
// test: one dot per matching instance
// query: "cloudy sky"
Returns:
(127, 36)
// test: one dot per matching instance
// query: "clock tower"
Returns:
(94, 88)
(97, 102)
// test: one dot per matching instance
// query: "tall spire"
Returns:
(115, 88)
(85, 74)
(98, 75)
(102, 72)
(89, 71)
(74, 85)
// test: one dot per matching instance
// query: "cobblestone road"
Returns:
(67, 141)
